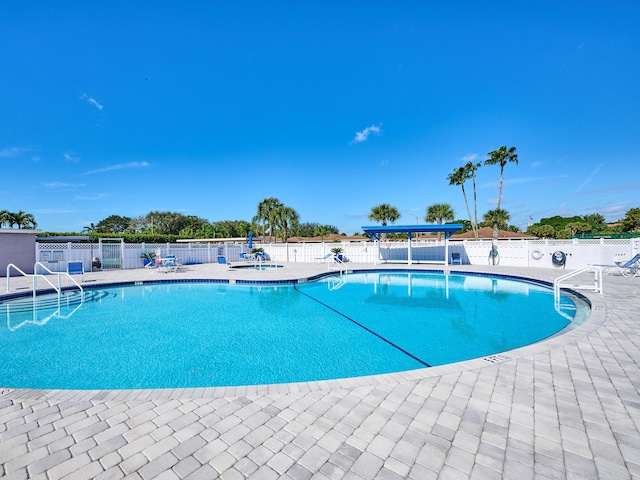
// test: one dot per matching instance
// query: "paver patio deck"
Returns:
(568, 407)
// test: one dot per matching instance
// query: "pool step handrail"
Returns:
(69, 277)
(596, 287)
(339, 264)
(34, 276)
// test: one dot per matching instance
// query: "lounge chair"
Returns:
(151, 263)
(247, 257)
(628, 269)
(75, 268)
(325, 258)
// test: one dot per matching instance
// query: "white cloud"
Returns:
(13, 152)
(91, 101)
(98, 196)
(589, 178)
(119, 166)
(70, 158)
(364, 134)
(61, 185)
(472, 157)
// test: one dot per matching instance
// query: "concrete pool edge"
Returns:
(595, 319)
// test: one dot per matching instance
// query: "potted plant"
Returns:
(147, 258)
(337, 251)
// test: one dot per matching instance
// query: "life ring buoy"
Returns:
(559, 258)
(388, 244)
(537, 254)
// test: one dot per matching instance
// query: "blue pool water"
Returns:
(174, 335)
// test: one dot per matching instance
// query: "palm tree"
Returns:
(458, 177)
(4, 218)
(501, 157)
(439, 212)
(470, 169)
(284, 217)
(498, 218)
(321, 231)
(384, 213)
(265, 214)
(27, 221)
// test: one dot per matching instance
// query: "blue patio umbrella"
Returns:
(250, 239)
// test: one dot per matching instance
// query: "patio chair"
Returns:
(75, 268)
(222, 262)
(151, 263)
(325, 258)
(456, 258)
(630, 268)
(247, 257)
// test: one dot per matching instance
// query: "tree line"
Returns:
(19, 219)
(273, 220)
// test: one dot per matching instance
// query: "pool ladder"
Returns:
(596, 287)
(339, 264)
(36, 275)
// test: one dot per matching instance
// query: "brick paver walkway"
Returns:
(565, 408)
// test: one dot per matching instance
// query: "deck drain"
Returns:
(497, 358)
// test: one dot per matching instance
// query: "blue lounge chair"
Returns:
(631, 268)
(628, 269)
(151, 263)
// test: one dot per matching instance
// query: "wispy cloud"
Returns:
(54, 210)
(517, 181)
(62, 185)
(13, 152)
(364, 134)
(90, 198)
(91, 101)
(471, 157)
(614, 188)
(71, 158)
(119, 166)
(589, 178)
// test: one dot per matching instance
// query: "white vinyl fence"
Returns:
(533, 253)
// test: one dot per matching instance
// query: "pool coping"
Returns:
(596, 319)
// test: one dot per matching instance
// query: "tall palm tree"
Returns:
(470, 169)
(384, 213)
(265, 214)
(439, 212)
(501, 157)
(458, 177)
(284, 217)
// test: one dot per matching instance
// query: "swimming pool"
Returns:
(179, 335)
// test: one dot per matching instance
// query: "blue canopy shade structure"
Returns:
(376, 232)
(448, 229)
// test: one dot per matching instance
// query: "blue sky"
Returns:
(332, 107)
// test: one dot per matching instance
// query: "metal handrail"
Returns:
(597, 287)
(35, 266)
(35, 278)
(341, 266)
